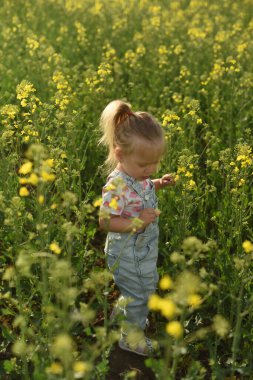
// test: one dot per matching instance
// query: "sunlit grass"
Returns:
(190, 64)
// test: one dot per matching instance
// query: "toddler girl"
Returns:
(136, 144)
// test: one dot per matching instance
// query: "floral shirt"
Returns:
(119, 199)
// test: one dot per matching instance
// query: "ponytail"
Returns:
(113, 114)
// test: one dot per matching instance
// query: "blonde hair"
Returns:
(120, 124)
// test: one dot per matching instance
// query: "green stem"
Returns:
(237, 332)
(23, 328)
(176, 355)
(167, 360)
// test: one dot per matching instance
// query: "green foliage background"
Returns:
(189, 63)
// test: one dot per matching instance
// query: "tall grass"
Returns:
(190, 64)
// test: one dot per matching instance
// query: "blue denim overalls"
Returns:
(132, 257)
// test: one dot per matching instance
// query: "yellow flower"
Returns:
(215, 165)
(241, 157)
(174, 329)
(26, 168)
(221, 325)
(166, 282)
(55, 248)
(47, 177)
(154, 302)
(167, 307)
(53, 206)
(192, 113)
(50, 162)
(41, 199)
(23, 192)
(178, 49)
(33, 179)
(62, 347)
(80, 368)
(182, 169)
(191, 184)
(55, 369)
(32, 44)
(9, 110)
(24, 89)
(97, 202)
(247, 246)
(194, 300)
(22, 181)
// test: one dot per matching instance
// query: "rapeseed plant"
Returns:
(199, 83)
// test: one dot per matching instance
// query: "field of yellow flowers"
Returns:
(189, 63)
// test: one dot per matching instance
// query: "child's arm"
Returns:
(115, 223)
(166, 180)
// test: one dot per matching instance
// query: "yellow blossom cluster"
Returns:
(196, 33)
(175, 329)
(182, 295)
(29, 132)
(169, 117)
(184, 74)
(247, 246)
(54, 247)
(73, 5)
(217, 70)
(190, 64)
(232, 65)
(25, 92)
(134, 58)
(32, 43)
(97, 80)
(185, 173)
(96, 8)
(109, 53)
(10, 111)
(97, 202)
(163, 55)
(171, 124)
(81, 32)
(40, 174)
(62, 96)
(245, 160)
(239, 168)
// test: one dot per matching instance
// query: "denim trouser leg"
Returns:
(136, 276)
(136, 311)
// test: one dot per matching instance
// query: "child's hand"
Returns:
(167, 180)
(148, 215)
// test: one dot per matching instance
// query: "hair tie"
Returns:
(124, 117)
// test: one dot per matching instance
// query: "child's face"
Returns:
(144, 159)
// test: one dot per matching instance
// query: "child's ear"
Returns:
(118, 153)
